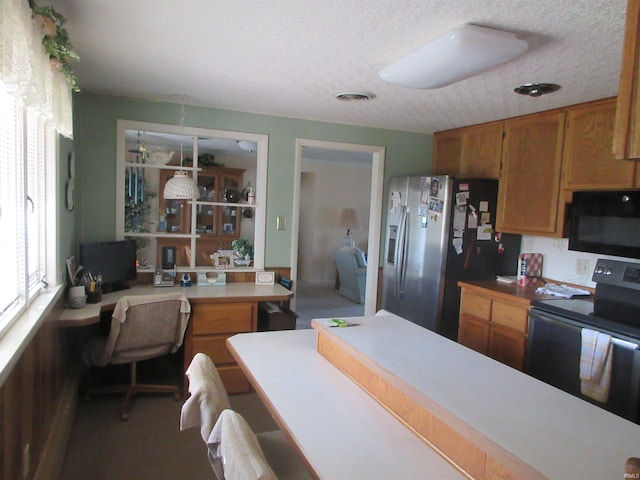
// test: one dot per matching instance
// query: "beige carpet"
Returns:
(317, 301)
(150, 445)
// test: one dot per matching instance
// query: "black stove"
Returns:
(615, 307)
(556, 328)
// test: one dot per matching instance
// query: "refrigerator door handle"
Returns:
(396, 256)
(401, 253)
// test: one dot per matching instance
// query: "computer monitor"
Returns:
(115, 261)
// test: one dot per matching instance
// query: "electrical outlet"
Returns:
(583, 267)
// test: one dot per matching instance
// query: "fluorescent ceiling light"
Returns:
(461, 53)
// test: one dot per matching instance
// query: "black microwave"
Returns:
(606, 222)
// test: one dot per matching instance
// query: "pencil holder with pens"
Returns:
(93, 287)
(95, 296)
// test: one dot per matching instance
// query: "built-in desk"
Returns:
(217, 312)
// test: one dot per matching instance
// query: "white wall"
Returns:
(559, 263)
(325, 189)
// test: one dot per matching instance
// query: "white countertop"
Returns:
(233, 291)
(559, 435)
(341, 431)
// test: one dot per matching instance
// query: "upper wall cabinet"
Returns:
(470, 152)
(626, 138)
(588, 162)
(530, 178)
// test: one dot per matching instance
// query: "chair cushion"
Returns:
(208, 396)
(233, 441)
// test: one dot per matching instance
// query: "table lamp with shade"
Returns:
(349, 220)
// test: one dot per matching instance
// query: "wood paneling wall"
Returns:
(30, 397)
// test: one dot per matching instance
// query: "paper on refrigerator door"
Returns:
(396, 200)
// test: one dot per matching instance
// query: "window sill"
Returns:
(20, 334)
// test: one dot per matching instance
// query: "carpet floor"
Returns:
(150, 445)
(317, 301)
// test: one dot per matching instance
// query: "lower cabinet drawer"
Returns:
(511, 316)
(234, 380)
(222, 318)
(215, 347)
(475, 305)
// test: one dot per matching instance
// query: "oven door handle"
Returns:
(625, 344)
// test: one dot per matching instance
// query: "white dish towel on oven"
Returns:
(595, 364)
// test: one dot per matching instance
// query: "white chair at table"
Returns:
(204, 407)
(142, 327)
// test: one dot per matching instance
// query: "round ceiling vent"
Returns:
(352, 96)
(536, 89)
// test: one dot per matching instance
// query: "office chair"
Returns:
(142, 327)
(204, 408)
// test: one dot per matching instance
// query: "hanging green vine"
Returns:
(56, 42)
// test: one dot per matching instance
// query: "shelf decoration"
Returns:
(56, 42)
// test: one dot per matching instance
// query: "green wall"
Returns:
(66, 220)
(95, 119)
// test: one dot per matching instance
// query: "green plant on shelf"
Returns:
(242, 247)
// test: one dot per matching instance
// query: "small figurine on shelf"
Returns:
(248, 194)
(186, 280)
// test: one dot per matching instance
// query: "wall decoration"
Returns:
(71, 176)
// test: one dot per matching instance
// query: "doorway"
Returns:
(342, 158)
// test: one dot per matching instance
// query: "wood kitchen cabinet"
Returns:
(494, 324)
(529, 185)
(210, 326)
(469, 152)
(626, 136)
(588, 162)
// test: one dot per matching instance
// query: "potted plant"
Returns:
(56, 42)
(243, 248)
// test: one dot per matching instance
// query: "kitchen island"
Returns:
(390, 399)
(488, 419)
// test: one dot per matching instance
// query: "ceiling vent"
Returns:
(352, 96)
(536, 89)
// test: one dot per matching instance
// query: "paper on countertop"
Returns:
(561, 290)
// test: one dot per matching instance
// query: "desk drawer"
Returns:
(475, 305)
(511, 316)
(215, 347)
(222, 318)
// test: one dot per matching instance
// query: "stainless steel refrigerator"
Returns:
(439, 231)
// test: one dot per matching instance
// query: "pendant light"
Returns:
(181, 186)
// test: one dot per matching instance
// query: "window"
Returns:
(221, 163)
(27, 150)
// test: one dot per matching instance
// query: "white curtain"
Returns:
(25, 68)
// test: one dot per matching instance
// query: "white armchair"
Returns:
(352, 271)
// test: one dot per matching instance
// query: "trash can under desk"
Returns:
(272, 317)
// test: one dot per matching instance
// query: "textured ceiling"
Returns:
(287, 57)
